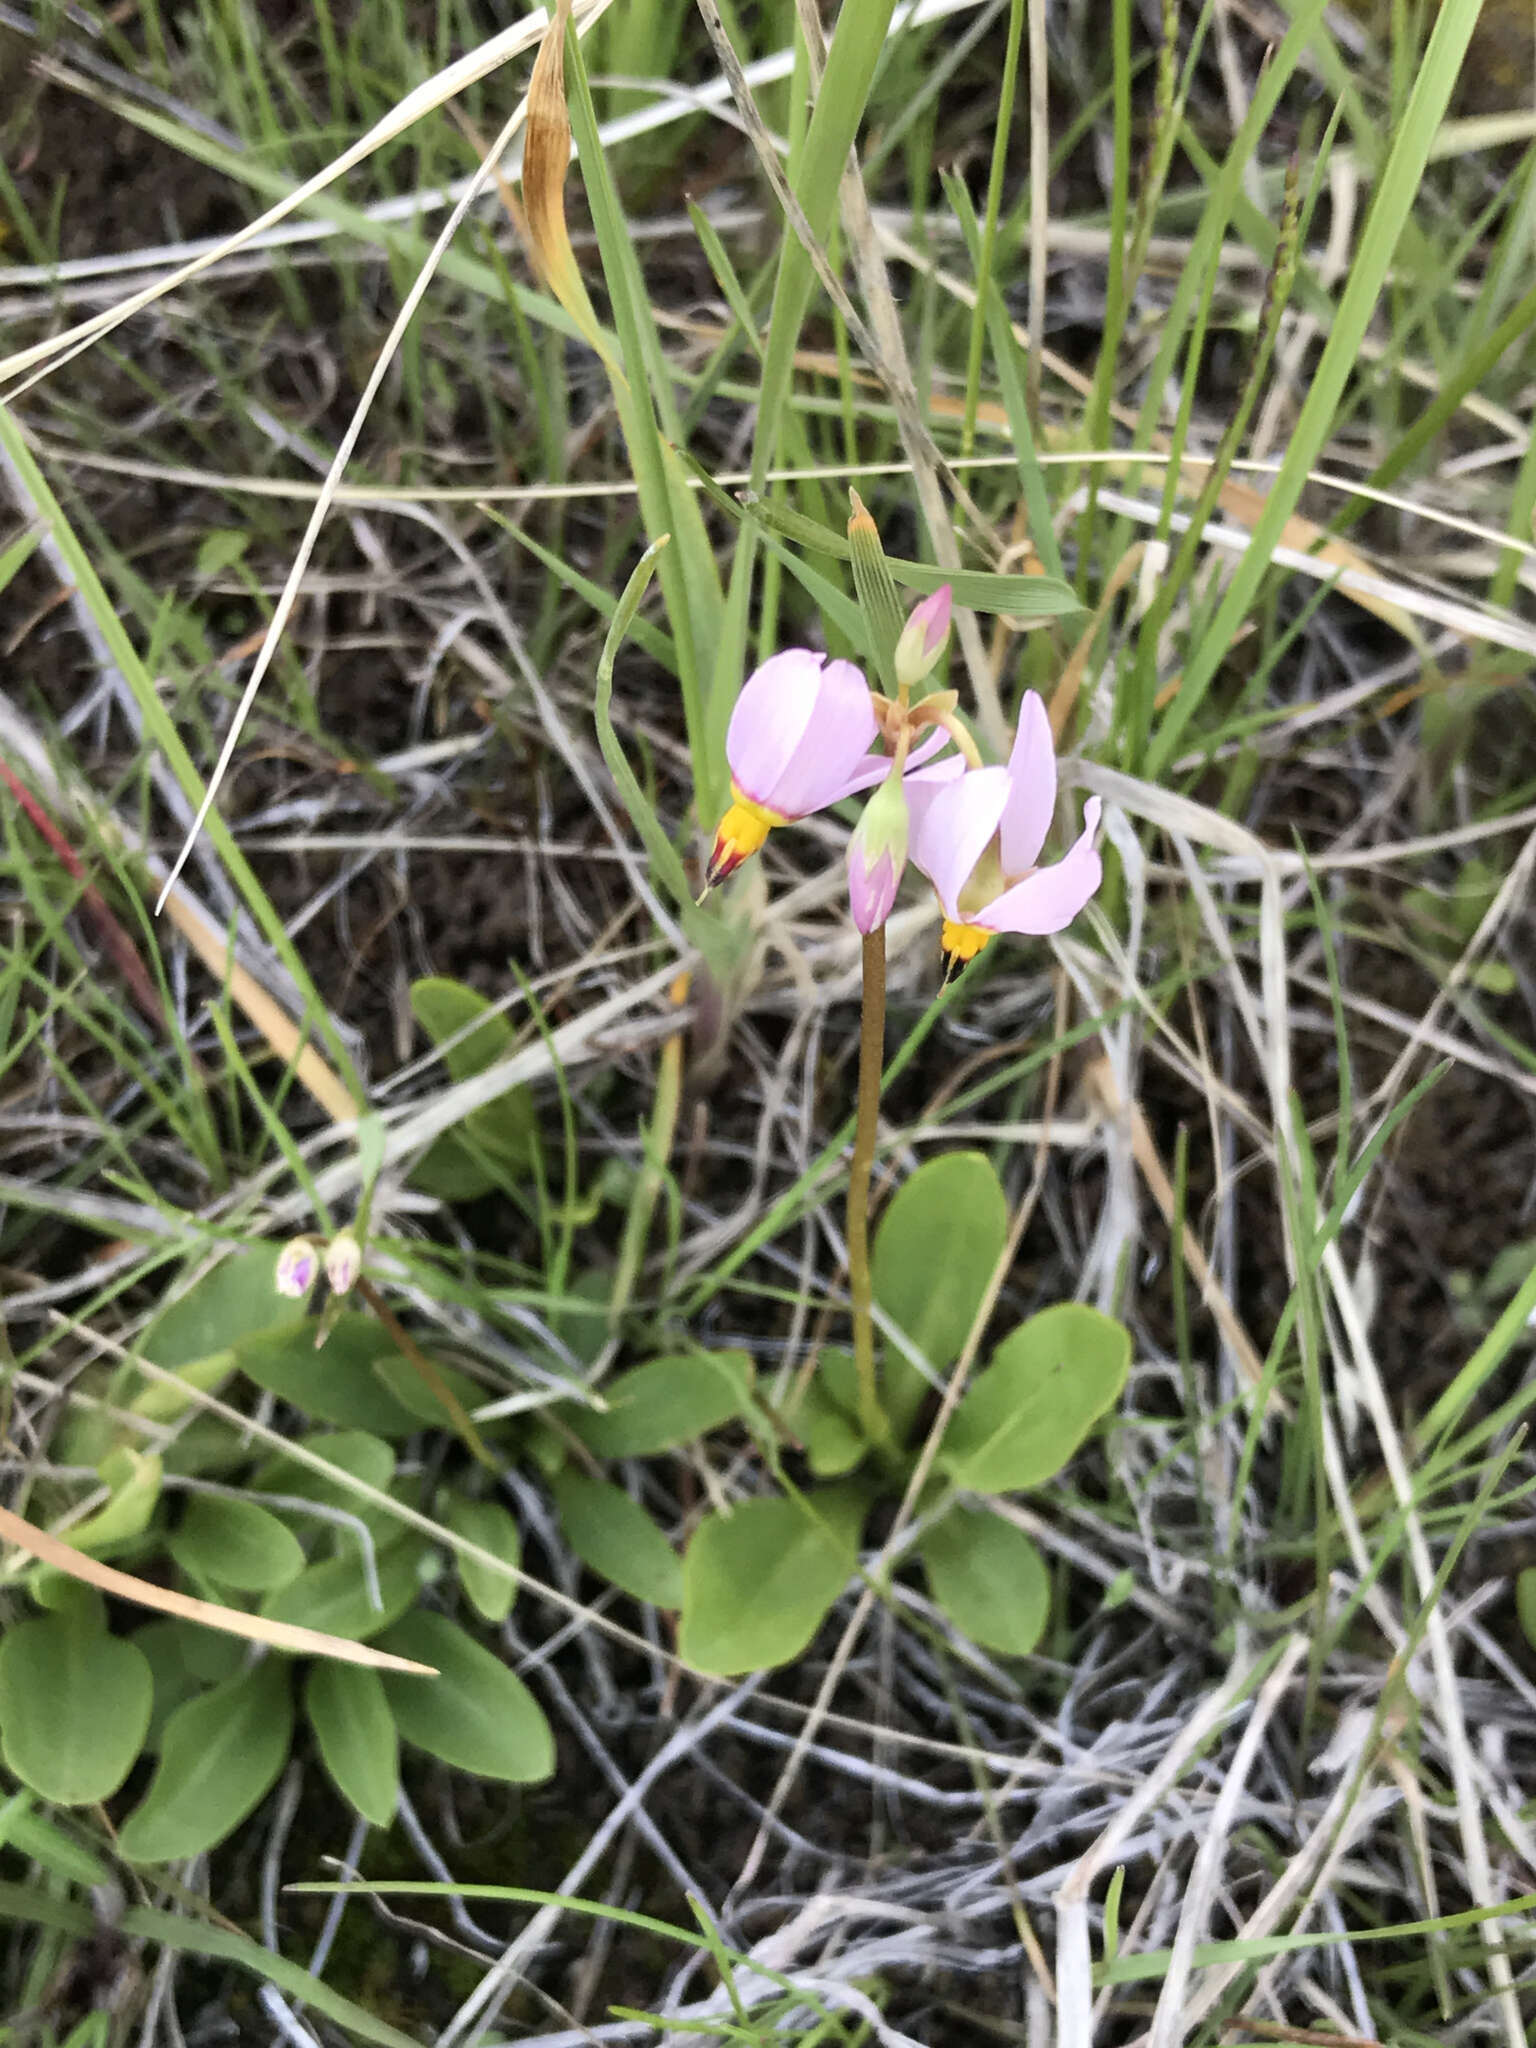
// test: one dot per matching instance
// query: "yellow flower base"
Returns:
(741, 832)
(962, 942)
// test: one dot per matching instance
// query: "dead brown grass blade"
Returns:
(277, 1635)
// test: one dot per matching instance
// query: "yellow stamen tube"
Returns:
(962, 942)
(741, 832)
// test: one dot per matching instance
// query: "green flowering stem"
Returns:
(872, 1417)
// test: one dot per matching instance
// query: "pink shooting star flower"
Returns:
(799, 740)
(977, 838)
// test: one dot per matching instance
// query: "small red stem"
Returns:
(108, 929)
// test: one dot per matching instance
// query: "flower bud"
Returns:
(297, 1265)
(877, 854)
(923, 637)
(343, 1263)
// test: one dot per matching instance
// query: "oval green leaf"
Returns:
(333, 1596)
(219, 1757)
(335, 1384)
(134, 1477)
(488, 1523)
(355, 1454)
(406, 1385)
(825, 1416)
(614, 1537)
(666, 1403)
(233, 1303)
(934, 1252)
(198, 1335)
(236, 1543)
(74, 1706)
(183, 1660)
(989, 1579)
(1049, 1382)
(476, 1714)
(504, 1133)
(355, 1731)
(758, 1582)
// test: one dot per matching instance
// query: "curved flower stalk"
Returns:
(977, 837)
(799, 740)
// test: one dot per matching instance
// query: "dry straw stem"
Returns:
(1099, 1082)
(276, 1635)
(424, 99)
(1170, 2022)
(407, 498)
(1074, 1958)
(282, 610)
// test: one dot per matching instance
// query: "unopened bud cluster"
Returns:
(299, 1265)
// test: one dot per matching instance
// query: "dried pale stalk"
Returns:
(277, 1635)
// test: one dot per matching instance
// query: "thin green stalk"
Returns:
(1396, 190)
(860, 1285)
(989, 226)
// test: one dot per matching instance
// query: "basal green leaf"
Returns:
(134, 1477)
(989, 1579)
(476, 1035)
(617, 1539)
(354, 1452)
(758, 1582)
(665, 1403)
(825, 1416)
(336, 1383)
(934, 1252)
(405, 1384)
(234, 1301)
(236, 1543)
(219, 1757)
(349, 1713)
(183, 1661)
(476, 1715)
(507, 1129)
(333, 1595)
(1047, 1385)
(74, 1707)
(492, 1526)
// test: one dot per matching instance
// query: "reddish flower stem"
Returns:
(872, 1417)
(111, 933)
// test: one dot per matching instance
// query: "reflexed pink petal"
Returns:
(776, 705)
(956, 828)
(877, 766)
(1032, 789)
(1049, 899)
(838, 734)
(871, 890)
